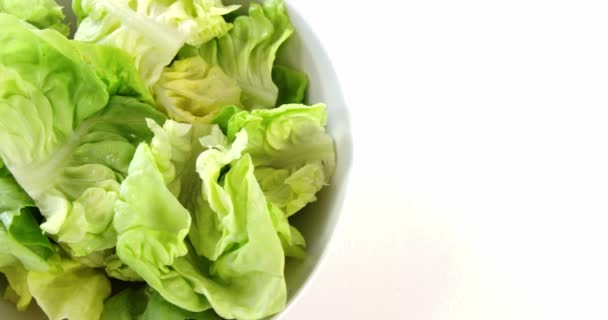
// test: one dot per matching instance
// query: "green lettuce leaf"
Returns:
(192, 91)
(175, 147)
(17, 290)
(21, 240)
(247, 52)
(147, 304)
(241, 271)
(3, 170)
(223, 116)
(293, 155)
(292, 240)
(150, 221)
(117, 269)
(128, 304)
(292, 84)
(151, 31)
(65, 141)
(23, 247)
(293, 188)
(114, 67)
(43, 14)
(294, 159)
(216, 226)
(71, 292)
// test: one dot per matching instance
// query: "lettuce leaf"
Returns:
(112, 66)
(151, 31)
(152, 224)
(73, 291)
(247, 52)
(117, 269)
(293, 155)
(241, 273)
(147, 304)
(21, 240)
(192, 91)
(292, 84)
(294, 159)
(17, 290)
(292, 240)
(223, 116)
(216, 224)
(68, 291)
(63, 138)
(115, 69)
(3, 170)
(43, 14)
(23, 247)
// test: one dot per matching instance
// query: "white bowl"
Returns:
(318, 220)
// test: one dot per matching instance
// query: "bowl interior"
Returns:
(318, 220)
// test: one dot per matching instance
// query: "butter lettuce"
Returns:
(150, 221)
(23, 247)
(292, 84)
(73, 291)
(294, 159)
(240, 270)
(114, 68)
(192, 212)
(117, 269)
(151, 31)
(247, 52)
(242, 275)
(17, 290)
(69, 291)
(44, 14)
(147, 304)
(3, 170)
(21, 240)
(292, 240)
(65, 140)
(293, 155)
(216, 224)
(193, 91)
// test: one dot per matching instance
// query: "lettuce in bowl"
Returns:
(156, 163)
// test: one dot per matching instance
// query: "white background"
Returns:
(480, 183)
